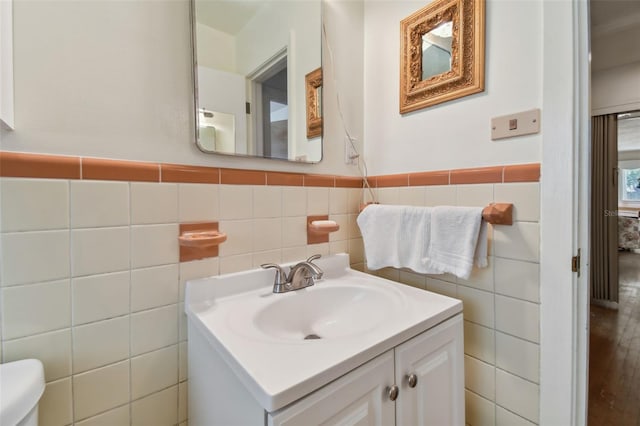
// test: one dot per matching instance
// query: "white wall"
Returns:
(615, 89)
(216, 49)
(114, 79)
(454, 134)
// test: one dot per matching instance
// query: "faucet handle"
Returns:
(314, 257)
(281, 276)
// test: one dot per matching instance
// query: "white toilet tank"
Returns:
(21, 386)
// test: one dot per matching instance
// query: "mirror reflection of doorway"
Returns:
(275, 116)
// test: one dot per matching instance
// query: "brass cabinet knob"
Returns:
(393, 392)
(412, 379)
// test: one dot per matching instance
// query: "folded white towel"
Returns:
(458, 240)
(396, 236)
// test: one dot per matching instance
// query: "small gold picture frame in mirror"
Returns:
(441, 53)
(313, 82)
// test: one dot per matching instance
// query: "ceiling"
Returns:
(615, 31)
(228, 16)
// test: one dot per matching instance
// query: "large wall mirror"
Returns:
(250, 63)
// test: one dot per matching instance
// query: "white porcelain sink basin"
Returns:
(348, 318)
(326, 312)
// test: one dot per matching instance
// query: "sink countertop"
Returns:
(278, 370)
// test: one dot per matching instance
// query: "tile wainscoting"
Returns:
(92, 285)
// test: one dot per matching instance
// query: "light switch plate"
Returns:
(518, 124)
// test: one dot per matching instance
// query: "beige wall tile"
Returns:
(518, 357)
(34, 204)
(518, 279)
(89, 393)
(198, 202)
(182, 323)
(518, 318)
(99, 250)
(183, 353)
(338, 200)
(354, 199)
(507, 418)
(521, 241)
(389, 274)
(336, 247)
(317, 201)
(413, 279)
(229, 264)
(294, 201)
(321, 249)
(29, 257)
(154, 203)
(100, 343)
(479, 342)
(481, 278)
(116, 417)
(55, 406)
(35, 308)
(411, 196)
(442, 287)
(96, 204)
(270, 256)
(354, 229)
(356, 250)
(267, 201)
(236, 202)
(154, 329)
(478, 410)
(479, 377)
(294, 231)
(476, 195)
(343, 233)
(517, 395)
(183, 402)
(98, 297)
(53, 349)
(239, 237)
(388, 196)
(197, 269)
(294, 254)
(267, 234)
(153, 245)
(154, 371)
(154, 287)
(159, 409)
(438, 195)
(525, 198)
(478, 305)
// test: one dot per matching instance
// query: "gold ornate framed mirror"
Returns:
(441, 53)
(313, 82)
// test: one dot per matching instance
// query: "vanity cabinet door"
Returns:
(357, 398)
(430, 374)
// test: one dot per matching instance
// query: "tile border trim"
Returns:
(45, 166)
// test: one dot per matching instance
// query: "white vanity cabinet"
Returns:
(433, 396)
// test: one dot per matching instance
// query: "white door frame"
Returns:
(564, 200)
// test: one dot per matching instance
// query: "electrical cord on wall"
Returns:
(360, 162)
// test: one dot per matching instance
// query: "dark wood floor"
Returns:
(614, 357)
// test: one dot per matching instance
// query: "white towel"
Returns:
(458, 240)
(396, 236)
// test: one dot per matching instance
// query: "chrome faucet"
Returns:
(300, 276)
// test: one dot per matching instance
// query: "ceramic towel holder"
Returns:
(494, 213)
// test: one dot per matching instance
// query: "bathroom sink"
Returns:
(284, 345)
(325, 312)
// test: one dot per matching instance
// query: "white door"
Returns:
(357, 398)
(430, 374)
